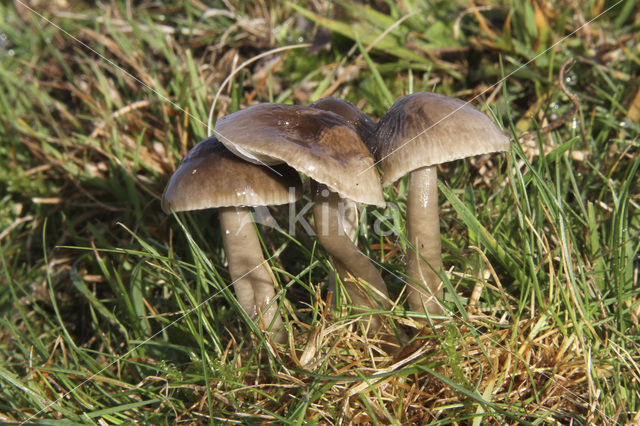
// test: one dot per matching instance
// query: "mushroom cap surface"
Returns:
(353, 115)
(211, 176)
(424, 129)
(318, 143)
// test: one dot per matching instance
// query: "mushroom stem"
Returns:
(347, 258)
(423, 232)
(251, 279)
(350, 219)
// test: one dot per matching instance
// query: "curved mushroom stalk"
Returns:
(251, 279)
(349, 261)
(350, 218)
(423, 232)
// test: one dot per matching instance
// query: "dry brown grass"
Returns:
(453, 366)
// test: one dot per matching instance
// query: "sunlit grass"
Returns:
(113, 312)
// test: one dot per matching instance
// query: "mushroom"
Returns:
(211, 176)
(361, 122)
(419, 132)
(321, 145)
(365, 128)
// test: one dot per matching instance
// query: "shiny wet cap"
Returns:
(353, 115)
(211, 176)
(424, 129)
(315, 142)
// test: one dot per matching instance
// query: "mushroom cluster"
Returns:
(254, 160)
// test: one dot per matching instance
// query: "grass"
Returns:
(113, 312)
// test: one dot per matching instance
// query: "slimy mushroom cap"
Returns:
(211, 176)
(425, 129)
(317, 143)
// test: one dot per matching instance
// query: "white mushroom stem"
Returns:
(348, 260)
(251, 279)
(423, 233)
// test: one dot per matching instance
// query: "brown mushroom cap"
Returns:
(424, 129)
(211, 176)
(353, 115)
(318, 143)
